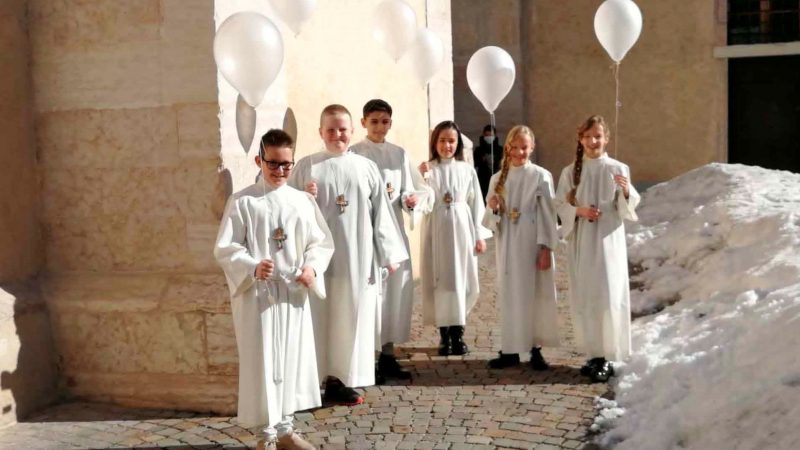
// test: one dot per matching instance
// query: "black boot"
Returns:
(504, 360)
(457, 345)
(388, 367)
(537, 361)
(602, 372)
(590, 365)
(444, 341)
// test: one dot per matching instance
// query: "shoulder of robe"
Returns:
(542, 172)
(254, 190)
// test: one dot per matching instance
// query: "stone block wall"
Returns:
(27, 363)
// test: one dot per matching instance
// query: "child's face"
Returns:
(520, 149)
(594, 141)
(377, 123)
(336, 131)
(446, 143)
(276, 165)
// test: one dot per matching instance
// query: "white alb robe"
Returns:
(272, 319)
(449, 263)
(528, 310)
(398, 288)
(366, 236)
(597, 257)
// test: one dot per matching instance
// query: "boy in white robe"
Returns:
(593, 198)
(274, 245)
(352, 197)
(398, 289)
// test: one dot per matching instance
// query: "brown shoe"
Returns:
(292, 441)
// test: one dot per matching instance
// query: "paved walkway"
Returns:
(453, 403)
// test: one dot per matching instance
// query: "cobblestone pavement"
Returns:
(452, 403)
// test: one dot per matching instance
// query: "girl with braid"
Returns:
(594, 197)
(521, 212)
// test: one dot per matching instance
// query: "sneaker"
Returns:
(264, 445)
(388, 367)
(292, 441)
(537, 361)
(504, 360)
(588, 368)
(602, 372)
(337, 392)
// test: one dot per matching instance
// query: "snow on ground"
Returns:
(718, 366)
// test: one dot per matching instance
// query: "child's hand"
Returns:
(311, 188)
(306, 278)
(543, 259)
(588, 212)
(480, 246)
(622, 182)
(496, 203)
(264, 269)
(411, 201)
(424, 168)
(392, 268)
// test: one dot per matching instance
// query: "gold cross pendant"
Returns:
(341, 202)
(279, 236)
(448, 199)
(389, 190)
(514, 215)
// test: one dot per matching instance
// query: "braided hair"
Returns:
(518, 130)
(578, 165)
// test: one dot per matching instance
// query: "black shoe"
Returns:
(379, 378)
(537, 361)
(388, 367)
(504, 360)
(337, 392)
(444, 341)
(603, 372)
(457, 345)
(588, 368)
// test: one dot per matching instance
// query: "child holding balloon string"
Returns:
(593, 198)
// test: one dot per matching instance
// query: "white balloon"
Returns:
(394, 26)
(248, 50)
(294, 13)
(618, 24)
(490, 75)
(427, 55)
(245, 123)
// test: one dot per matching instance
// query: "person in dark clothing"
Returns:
(482, 155)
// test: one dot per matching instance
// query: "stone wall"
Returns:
(673, 91)
(128, 137)
(27, 366)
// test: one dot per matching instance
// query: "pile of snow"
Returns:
(717, 361)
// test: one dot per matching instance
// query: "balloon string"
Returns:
(617, 105)
(494, 133)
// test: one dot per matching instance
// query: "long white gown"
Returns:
(597, 257)
(398, 288)
(366, 236)
(449, 263)
(272, 319)
(527, 296)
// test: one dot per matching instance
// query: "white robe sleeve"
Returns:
(390, 248)
(626, 207)
(565, 211)
(475, 200)
(490, 219)
(547, 226)
(319, 249)
(407, 187)
(301, 174)
(230, 250)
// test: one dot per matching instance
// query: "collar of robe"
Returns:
(587, 160)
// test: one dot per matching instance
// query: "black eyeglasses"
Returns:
(274, 165)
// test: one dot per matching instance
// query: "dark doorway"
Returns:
(764, 112)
